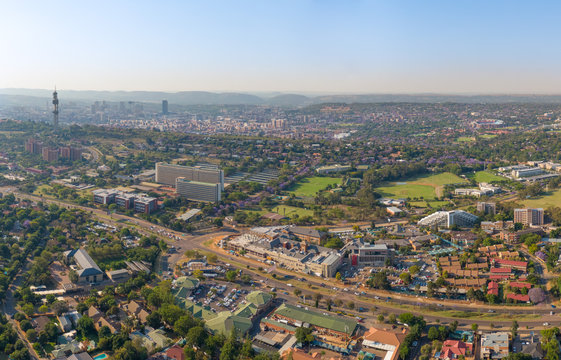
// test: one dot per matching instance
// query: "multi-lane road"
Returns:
(398, 304)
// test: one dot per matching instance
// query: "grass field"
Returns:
(488, 136)
(552, 198)
(465, 139)
(433, 204)
(424, 186)
(485, 176)
(290, 211)
(308, 187)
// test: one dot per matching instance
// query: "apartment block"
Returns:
(50, 154)
(529, 216)
(487, 207)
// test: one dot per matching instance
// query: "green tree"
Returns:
(304, 335)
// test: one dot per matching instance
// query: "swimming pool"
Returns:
(100, 356)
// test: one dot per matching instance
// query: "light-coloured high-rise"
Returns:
(198, 191)
(168, 173)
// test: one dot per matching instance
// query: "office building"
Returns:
(363, 254)
(104, 196)
(487, 207)
(50, 154)
(198, 191)
(145, 204)
(528, 216)
(523, 173)
(164, 107)
(168, 173)
(125, 200)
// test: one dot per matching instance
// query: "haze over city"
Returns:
(289, 46)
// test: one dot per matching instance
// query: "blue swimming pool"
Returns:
(100, 356)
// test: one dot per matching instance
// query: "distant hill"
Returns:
(40, 96)
(289, 100)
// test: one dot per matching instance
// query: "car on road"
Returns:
(545, 324)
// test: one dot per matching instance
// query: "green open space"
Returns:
(422, 186)
(488, 136)
(290, 211)
(550, 198)
(308, 187)
(465, 139)
(486, 176)
(433, 204)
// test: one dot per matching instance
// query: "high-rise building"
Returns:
(34, 146)
(529, 216)
(168, 173)
(198, 191)
(164, 107)
(70, 152)
(487, 207)
(50, 154)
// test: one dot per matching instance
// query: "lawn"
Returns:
(424, 186)
(552, 198)
(488, 136)
(465, 139)
(433, 204)
(290, 211)
(486, 176)
(308, 187)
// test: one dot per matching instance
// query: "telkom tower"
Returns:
(55, 108)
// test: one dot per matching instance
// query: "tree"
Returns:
(196, 336)
(328, 303)
(474, 327)
(231, 275)
(304, 335)
(31, 335)
(433, 333)
(85, 326)
(184, 324)
(154, 319)
(514, 328)
(454, 326)
(73, 276)
(405, 277)
(317, 298)
(392, 319)
(338, 276)
(379, 281)
(297, 292)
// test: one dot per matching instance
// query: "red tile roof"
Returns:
(452, 349)
(518, 297)
(511, 263)
(520, 285)
(501, 270)
(493, 288)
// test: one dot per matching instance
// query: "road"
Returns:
(185, 242)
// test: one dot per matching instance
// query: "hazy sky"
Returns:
(448, 46)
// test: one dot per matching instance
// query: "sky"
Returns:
(303, 46)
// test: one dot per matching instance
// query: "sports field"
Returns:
(308, 187)
(552, 198)
(485, 176)
(427, 187)
(290, 211)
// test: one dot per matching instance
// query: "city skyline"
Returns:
(296, 46)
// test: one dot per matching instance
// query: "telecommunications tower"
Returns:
(55, 109)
